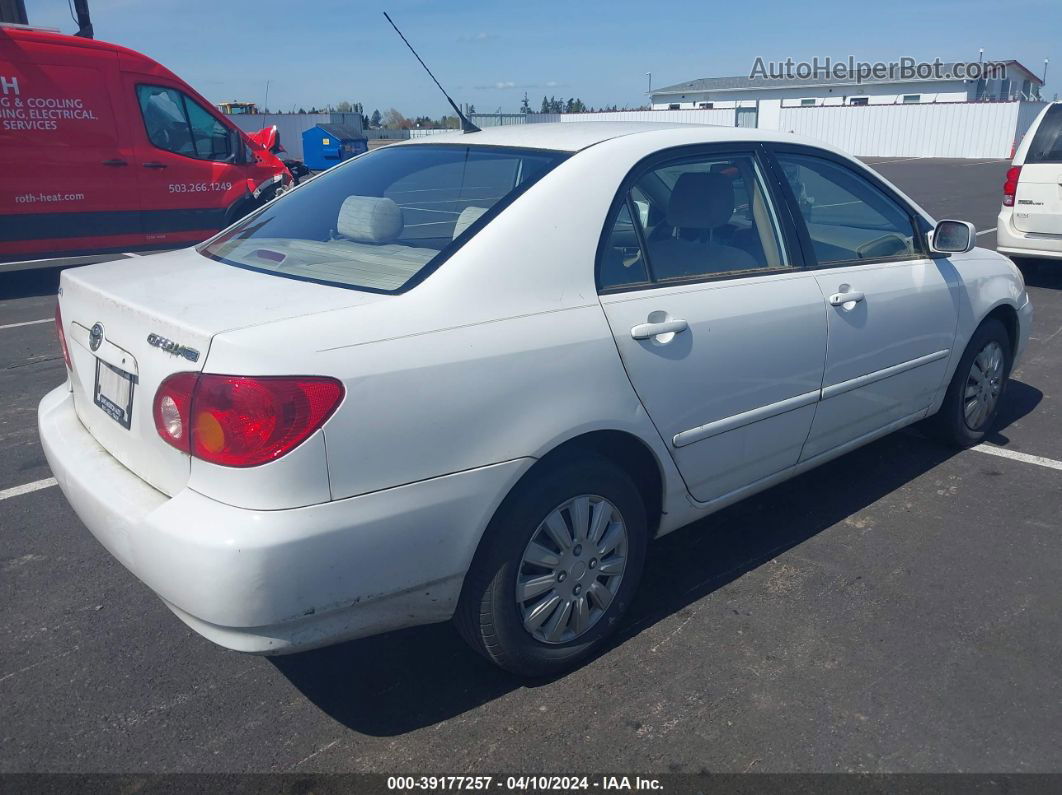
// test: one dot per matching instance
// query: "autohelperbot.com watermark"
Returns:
(852, 70)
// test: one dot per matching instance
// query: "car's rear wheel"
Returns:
(975, 393)
(557, 567)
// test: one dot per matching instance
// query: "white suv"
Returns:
(1030, 222)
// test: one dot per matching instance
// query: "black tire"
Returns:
(239, 210)
(950, 423)
(488, 616)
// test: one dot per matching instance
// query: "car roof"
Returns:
(45, 36)
(574, 136)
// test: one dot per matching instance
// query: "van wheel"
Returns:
(557, 568)
(239, 210)
(975, 393)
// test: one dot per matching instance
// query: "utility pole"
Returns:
(13, 11)
(650, 91)
(266, 109)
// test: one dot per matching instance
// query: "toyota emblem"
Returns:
(96, 336)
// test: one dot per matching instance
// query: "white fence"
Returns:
(724, 117)
(292, 125)
(961, 129)
(431, 133)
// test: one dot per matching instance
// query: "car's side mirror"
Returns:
(953, 237)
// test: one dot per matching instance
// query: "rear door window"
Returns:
(622, 262)
(695, 218)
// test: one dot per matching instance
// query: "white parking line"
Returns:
(1014, 455)
(901, 160)
(26, 488)
(26, 323)
(985, 232)
(985, 162)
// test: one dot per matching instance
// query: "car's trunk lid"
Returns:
(155, 316)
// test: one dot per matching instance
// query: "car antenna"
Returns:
(466, 125)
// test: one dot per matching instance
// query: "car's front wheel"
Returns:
(972, 402)
(557, 567)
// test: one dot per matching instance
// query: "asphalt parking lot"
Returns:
(899, 609)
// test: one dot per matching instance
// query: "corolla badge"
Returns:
(191, 354)
(96, 336)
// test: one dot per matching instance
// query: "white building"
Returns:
(766, 96)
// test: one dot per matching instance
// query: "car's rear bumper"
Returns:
(1015, 243)
(279, 581)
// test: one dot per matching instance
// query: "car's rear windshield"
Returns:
(385, 219)
(1046, 145)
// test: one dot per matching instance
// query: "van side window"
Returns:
(1046, 145)
(178, 124)
(211, 138)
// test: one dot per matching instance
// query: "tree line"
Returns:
(572, 105)
(392, 118)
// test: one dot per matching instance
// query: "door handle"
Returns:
(155, 165)
(851, 297)
(645, 331)
(116, 162)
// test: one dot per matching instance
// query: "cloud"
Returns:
(477, 36)
(504, 85)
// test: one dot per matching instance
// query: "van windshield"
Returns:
(385, 219)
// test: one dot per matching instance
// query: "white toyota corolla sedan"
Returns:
(470, 378)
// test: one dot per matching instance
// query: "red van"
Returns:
(103, 149)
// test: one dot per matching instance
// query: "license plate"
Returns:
(114, 393)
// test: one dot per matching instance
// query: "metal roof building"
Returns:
(843, 87)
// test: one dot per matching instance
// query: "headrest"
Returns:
(700, 201)
(369, 219)
(468, 216)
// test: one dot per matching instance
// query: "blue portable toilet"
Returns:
(326, 145)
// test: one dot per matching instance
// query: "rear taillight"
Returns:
(62, 336)
(1010, 187)
(173, 409)
(241, 421)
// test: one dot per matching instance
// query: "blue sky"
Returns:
(489, 53)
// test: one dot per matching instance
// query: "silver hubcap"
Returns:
(571, 569)
(983, 386)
